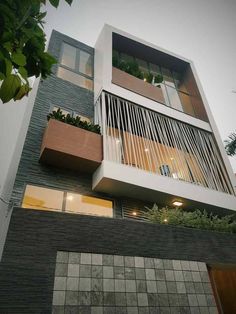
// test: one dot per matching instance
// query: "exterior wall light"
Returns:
(134, 213)
(176, 203)
(165, 220)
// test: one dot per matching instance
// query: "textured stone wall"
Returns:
(109, 284)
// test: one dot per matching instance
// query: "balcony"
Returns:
(158, 159)
(69, 147)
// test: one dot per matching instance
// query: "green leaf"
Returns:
(24, 90)
(69, 1)
(23, 72)
(8, 67)
(42, 15)
(54, 3)
(10, 87)
(18, 58)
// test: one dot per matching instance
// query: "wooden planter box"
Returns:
(136, 85)
(69, 147)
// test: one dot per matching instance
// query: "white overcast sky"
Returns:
(203, 31)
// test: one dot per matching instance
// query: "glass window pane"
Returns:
(85, 63)
(75, 78)
(154, 69)
(88, 205)
(167, 77)
(178, 78)
(174, 98)
(41, 198)
(143, 66)
(68, 56)
(126, 58)
(163, 88)
(186, 103)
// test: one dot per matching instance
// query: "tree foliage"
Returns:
(194, 219)
(230, 144)
(22, 46)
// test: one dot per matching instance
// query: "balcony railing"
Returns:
(141, 138)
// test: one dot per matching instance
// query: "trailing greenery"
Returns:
(194, 219)
(230, 144)
(22, 46)
(131, 67)
(75, 121)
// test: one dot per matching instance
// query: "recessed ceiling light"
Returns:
(146, 150)
(165, 220)
(176, 203)
(70, 197)
(134, 213)
(117, 141)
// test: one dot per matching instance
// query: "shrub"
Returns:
(194, 219)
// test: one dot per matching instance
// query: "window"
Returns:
(76, 66)
(36, 197)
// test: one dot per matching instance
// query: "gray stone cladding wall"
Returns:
(109, 284)
(54, 92)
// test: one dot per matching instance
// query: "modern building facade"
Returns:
(158, 144)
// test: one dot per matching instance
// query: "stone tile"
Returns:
(73, 309)
(152, 299)
(97, 271)
(163, 299)
(97, 284)
(84, 298)
(160, 274)
(130, 285)
(192, 300)
(161, 286)
(187, 275)
(210, 300)
(131, 299)
(167, 264)
(204, 276)
(151, 286)
(119, 285)
(142, 299)
(108, 272)
(73, 270)
(109, 310)
(96, 259)
(198, 287)
(196, 276)
(132, 310)
(58, 298)
(207, 287)
(96, 310)
(85, 258)
(109, 298)
(85, 271)
(57, 309)
(179, 275)
(169, 274)
(143, 310)
(140, 273)
(71, 298)
(194, 310)
(203, 310)
(176, 265)
(193, 266)
(121, 310)
(185, 265)
(96, 298)
(150, 274)
(120, 299)
(184, 310)
(183, 300)
(72, 284)
(175, 310)
(61, 270)
(171, 287)
(108, 260)
(173, 299)
(108, 285)
(141, 286)
(181, 288)
(190, 287)
(85, 284)
(139, 262)
(60, 283)
(213, 310)
(158, 263)
(148, 262)
(202, 266)
(129, 261)
(119, 272)
(62, 257)
(164, 310)
(118, 260)
(154, 310)
(201, 298)
(74, 258)
(129, 273)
